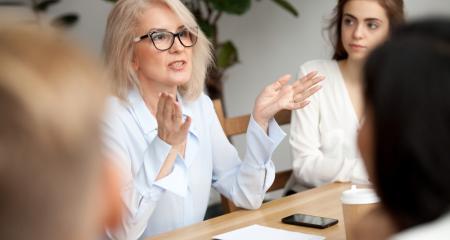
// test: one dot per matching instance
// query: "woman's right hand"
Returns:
(171, 128)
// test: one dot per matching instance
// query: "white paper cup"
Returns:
(357, 202)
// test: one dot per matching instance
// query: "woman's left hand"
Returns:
(281, 95)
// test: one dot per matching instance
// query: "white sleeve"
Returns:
(244, 182)
(315, 162)
(140, 193)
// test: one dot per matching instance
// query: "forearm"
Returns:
(167, 166)
(247, 183)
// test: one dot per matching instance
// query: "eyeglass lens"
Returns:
(164, 40)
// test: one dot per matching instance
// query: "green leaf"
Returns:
(113, 1)
(237, 7)
(43, 6)
(66, 20)
(227, 55)
(207, 28)
(287, 6)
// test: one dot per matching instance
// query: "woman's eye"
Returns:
(185, 33)
(348, 22)
(159, 36)
(372, 25)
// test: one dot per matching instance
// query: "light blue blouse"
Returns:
(181, 198)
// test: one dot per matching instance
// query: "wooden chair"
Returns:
(238, 125)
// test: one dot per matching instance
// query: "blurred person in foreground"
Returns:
(54, 180)
(405, 138)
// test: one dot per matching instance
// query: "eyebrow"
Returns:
(164, 29)
(365, 19)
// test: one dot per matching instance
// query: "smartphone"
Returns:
(309, 221)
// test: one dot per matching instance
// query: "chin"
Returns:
(358, 56)
(180, 80)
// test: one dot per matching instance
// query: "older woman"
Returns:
(164, 130)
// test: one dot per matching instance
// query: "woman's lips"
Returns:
(177, 65)
(357, 46)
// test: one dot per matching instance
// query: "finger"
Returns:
(308, 76)
(185, 127)
(300, 97)
(168, 108)
(302, 85)
(159, 108)
(297, 105)
(177, 113)
(281, 82)
(301, 104)
(313, 81)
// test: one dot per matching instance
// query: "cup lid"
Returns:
(359, 196)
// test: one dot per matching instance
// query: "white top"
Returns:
(181, 198)
(436, 230)
(323, 134)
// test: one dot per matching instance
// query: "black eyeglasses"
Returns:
(163, 40)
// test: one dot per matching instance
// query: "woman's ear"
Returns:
(111, 195)
(134, 63)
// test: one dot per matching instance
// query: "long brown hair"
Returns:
(394, 11)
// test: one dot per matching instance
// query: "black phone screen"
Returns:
(309, 221)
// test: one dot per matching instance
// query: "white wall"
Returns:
(271, 42)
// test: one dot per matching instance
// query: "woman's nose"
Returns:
(177, 45)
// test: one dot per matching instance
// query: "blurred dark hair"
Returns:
(394, 11)
(407, 86)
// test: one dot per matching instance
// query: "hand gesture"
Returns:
(171, 128)
(281, 95)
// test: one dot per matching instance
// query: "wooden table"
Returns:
(322, 201)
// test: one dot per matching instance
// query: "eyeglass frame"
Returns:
(174, 35)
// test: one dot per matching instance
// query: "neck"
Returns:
(352, 70)
(150, 93)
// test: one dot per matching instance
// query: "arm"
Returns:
(247, 183)
(244, 182)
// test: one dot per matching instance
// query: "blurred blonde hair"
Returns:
(51, 100)
(118, 46)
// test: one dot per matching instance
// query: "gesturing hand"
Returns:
(171, 128)
(281, 95)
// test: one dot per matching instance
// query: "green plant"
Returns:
(207, 14)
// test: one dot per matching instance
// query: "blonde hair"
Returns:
(118, 46)
(51, 100)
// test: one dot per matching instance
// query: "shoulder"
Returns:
(327, 68)
(321, 65)
(116, 110)
(203, 102)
